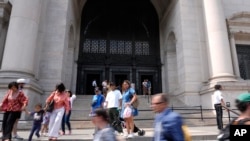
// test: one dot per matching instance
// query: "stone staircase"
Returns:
(81, 108)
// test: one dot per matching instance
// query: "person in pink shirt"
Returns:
(13, 103)
(61, 105)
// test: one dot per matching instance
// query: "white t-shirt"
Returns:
(217, 97)
(113, 98)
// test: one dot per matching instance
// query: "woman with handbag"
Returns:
(61, 105)
(128, 98)
(13, 103)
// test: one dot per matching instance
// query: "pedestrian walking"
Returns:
(168, 124)
(21, 82)
(104, 131)
(12, 104)
(113, 104)
(61, 104)
(97, 101)
(45, 124)
(128, 111)
(66, 118)
(37, 115)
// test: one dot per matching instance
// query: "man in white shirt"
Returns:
(218, 101)
(113, 103)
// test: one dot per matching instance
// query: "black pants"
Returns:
(9, 119)
(219, 113)
(114, 119)
(35, 128)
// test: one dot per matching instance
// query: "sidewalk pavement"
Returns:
(198, 133)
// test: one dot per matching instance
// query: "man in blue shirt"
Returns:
(97, 101)
(168, 124)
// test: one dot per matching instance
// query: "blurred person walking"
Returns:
(168, 124)
(37, 115)
(104, 131)
(12, 104)
(61, 105)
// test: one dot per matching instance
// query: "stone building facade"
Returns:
(184, 47)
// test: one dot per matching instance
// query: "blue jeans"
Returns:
(66, 119)
(35, 128)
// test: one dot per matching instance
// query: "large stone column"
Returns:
(221, 68)
(5, 9)
(21, 42)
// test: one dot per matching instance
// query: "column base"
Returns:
(223, 77)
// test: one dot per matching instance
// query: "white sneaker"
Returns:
(125, 135)
(17, 137)
(131, 135)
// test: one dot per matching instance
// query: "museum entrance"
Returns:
(119, 40)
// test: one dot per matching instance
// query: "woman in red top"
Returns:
(14, 102)
(61, 104)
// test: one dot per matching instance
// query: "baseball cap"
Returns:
(21, 80)
(244, 97)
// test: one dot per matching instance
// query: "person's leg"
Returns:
(56, 122)
(63, 124)
(220, 115)
(216, 107)
(32, 132)
(51, 123)
(4, 123)
(38, 128)
(118, 126)
(111, 117)
(67, 120)
(10, 123)
(127, 125)
(131, 124)
(14, 130)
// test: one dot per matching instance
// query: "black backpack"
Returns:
(224, 135)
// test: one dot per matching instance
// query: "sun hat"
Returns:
(244, 97)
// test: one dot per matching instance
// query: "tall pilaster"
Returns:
(21, 42)
(5, 9)
(221, 66)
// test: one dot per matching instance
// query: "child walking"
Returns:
(45, 123)
(37, 120)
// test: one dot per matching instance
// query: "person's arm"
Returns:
(133, 99)
(27, 112)
(66, 103)
(24, 100)
(50, 98)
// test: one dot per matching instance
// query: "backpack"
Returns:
(225, 132)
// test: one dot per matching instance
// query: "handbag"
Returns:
(127, 112)
(50, 106)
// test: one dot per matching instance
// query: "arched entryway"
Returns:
(119, 40)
